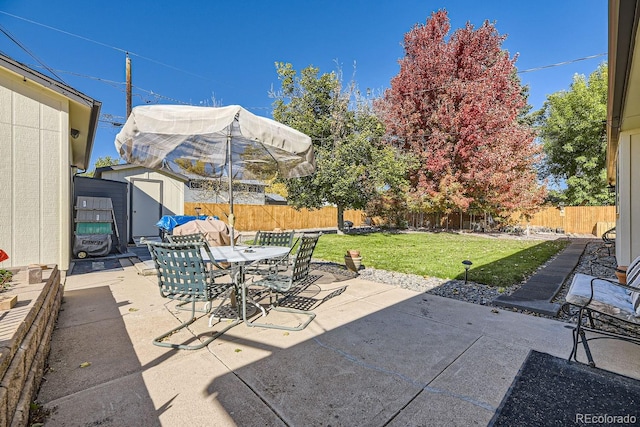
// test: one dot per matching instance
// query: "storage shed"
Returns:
(152, 194)
(117, 192)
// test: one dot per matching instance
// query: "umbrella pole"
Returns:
(232, 218)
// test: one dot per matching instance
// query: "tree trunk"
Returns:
(340, 218)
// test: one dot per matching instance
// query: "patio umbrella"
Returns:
(208, 142)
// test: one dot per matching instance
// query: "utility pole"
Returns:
(128, 67)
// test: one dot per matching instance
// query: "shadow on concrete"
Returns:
(92, 353)
(142, 252)
(372, 370)
(374, 355)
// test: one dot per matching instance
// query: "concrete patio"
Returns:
(375, 355)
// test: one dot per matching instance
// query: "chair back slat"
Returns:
(181, 270)
(186, 238)
(274, 238)
(196, 238)
(302, 261)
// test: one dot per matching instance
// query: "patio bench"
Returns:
(606, 307)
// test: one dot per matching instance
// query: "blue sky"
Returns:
(193, 51)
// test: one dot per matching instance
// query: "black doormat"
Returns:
(89, 266)
(549, 391)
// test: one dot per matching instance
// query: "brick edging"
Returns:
(24, 355)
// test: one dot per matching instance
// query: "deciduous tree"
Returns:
(456, 105)
(102, 162)
(353, 166)
(572, 128)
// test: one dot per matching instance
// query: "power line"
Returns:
(103, 44)
(116, 84)
(558, 64)
(23, 47)
(157, 95)
(561, 63)
(119, 86)
(205, 78)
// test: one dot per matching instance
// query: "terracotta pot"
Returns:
(621, 274)
(353, 263)
(353, 253)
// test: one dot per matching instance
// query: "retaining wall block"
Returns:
(4, 416)
(14, 380)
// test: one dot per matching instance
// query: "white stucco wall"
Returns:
(627, 231)
(34, 174)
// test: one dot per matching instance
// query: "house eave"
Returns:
(84, 111)
(623, 26)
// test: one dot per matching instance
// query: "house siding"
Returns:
(634, 196)
(34, 174)
(6, 167)
(628, 237)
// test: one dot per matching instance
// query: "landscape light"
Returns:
(467, 265)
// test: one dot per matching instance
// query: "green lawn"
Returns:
(496, 262)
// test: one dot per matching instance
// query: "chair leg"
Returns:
(579, 335)
(310, 316)
(206, 309)
(574, 347)
(215, 312)
(159, 341)
(587, 350)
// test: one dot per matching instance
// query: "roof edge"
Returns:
(623, 26)
(46, 81)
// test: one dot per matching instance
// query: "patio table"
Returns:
(238, 257)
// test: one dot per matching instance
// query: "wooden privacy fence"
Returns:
(269, 217)
(571, 219)
(576, 219)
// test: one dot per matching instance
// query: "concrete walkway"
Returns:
(375, 355)
(540, 289)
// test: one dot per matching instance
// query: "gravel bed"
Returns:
(594, 261)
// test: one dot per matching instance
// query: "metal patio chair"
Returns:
(606, 307)
(216, 270)
(286, 284)
(272, 238)
(183, 276)
(609, 239)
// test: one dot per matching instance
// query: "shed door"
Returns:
(146, 207)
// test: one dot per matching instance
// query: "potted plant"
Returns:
(5, 278)
(353, 260)
(621, 274)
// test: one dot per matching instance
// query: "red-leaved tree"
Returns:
(456, 105)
